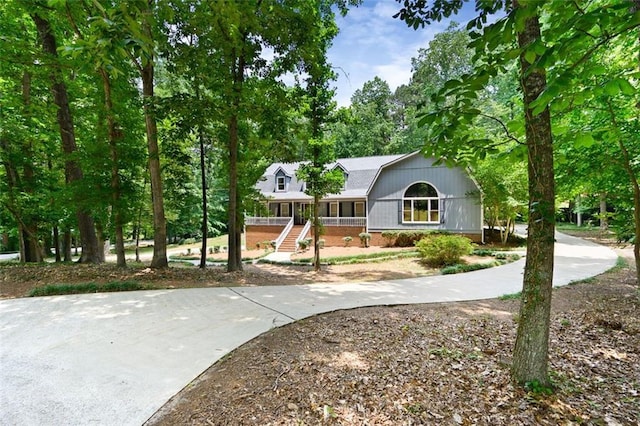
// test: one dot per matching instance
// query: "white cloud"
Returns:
(372, 43)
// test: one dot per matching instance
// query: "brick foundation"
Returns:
(333, 235)
(259, 233)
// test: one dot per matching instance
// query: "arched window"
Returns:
(421, 204)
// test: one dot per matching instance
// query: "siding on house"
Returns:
(462, 212)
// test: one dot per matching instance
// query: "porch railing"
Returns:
(284, 234)
(303, 233)
(269, 221)
(326, 221)
(344, 221)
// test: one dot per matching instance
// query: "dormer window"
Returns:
(281, 183)
(345, 174)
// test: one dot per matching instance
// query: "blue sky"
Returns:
(372, 43)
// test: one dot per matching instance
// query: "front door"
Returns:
(300, 216)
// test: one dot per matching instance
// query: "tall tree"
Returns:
(561, 51)
(18, 147)
(367, 127)
(233, 38)
(96, 48)
(530, 354)
(91, 252)
(522, 23)
(139, 24)
(320, 151)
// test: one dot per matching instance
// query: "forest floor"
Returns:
(445, 363)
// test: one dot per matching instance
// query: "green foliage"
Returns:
(364, 258)
(304, 244)
(60, 289)
(512, 296)
(366, 128)
(460, 268)
(365, 238)
(483, 252)
(408, 238)
(537, 389)
(443, 250)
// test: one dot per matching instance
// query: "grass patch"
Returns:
(501, 259)
(566, 226)
(60, 289)
(483, 252)
(460, 268)
(512, 296)
(621, 263)
(361, 258)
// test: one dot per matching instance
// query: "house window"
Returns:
(421, 204)
(358, 208)
(284, 210)
(280, 183)
(333, 209)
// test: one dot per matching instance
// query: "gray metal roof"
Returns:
(361, 172)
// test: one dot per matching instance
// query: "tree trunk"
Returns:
(101, 240)
(66, 246)
(114, 135)
(159, 221)
(316, 234)
(636, 188)
(633, 180)
(56, 243)
(73, 172)
(234, 262)
(530, 355)
(604, 220)
(205, 220)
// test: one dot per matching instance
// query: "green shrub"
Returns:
(443, 250)
(389, 238)
(365, 237)
(304, 244)
(459, 268)
(408, 238)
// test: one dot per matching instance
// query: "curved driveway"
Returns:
(115, 358)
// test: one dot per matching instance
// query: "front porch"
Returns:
(339, 218)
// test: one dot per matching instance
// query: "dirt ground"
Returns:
(17, 280)
(437, 364)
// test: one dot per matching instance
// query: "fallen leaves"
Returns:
(431, 364)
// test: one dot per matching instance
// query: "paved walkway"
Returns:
(114, 359)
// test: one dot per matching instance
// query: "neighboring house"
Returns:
(391, 192)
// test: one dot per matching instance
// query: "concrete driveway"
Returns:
(115, 358)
